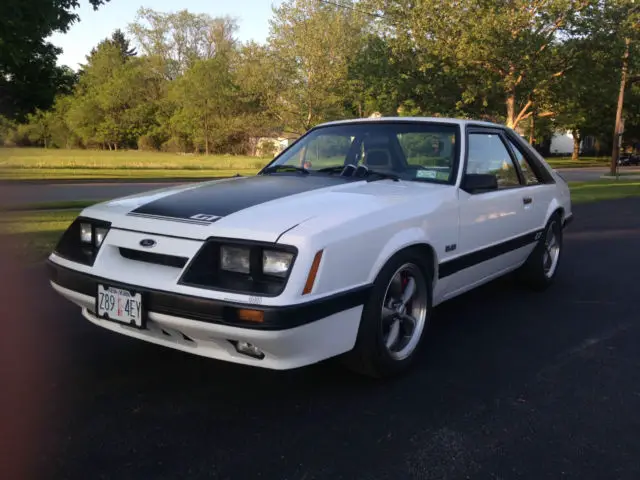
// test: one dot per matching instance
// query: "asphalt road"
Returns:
(18, 193)
(22, 193)
(511, 384)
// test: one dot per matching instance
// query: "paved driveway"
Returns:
(16, 193)
(511, 384)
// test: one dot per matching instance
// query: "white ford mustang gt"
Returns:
(342, 245)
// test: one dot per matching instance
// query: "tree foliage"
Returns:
(182, 38)
(312, 45)
(29, 77)
(185, 83)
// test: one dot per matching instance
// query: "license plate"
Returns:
(119, 305)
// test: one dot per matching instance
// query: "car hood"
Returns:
(253, 208)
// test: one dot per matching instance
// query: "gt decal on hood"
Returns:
(220, 199)
(205, 217)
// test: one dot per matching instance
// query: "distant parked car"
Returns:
(343, 244)
(627, 159)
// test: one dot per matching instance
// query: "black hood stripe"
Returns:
(205, 204)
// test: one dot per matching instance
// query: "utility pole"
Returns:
(617, 132)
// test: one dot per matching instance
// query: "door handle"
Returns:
(527, 200)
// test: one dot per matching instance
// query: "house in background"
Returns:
(562, 144)
(271, 146)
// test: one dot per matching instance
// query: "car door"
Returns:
(494, 225)
(539, 185)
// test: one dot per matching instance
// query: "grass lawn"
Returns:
(33, 235)
(39, 163)
(582, 192)
(584, 162)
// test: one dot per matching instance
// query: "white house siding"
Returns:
(562, 144)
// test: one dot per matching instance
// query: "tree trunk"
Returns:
(576, 145)
(206, 134)
(532, 129)
(511, 108)
(615, 151)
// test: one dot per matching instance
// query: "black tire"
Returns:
(533, 272)
(370, 355)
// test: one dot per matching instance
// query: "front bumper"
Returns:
(290, 336)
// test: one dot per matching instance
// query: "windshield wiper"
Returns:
(334, 169)
(381, 176)
(278, 168)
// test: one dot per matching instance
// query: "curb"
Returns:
(621, 177)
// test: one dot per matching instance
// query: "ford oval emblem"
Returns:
(147, 243)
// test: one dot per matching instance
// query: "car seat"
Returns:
(377, 153)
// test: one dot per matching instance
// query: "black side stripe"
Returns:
(479, 256)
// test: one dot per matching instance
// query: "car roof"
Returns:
(453, 121)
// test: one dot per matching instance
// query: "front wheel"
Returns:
(541, 267)
(395, 318)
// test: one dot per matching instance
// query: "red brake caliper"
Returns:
(405, 280)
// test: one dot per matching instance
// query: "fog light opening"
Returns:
(248, 349)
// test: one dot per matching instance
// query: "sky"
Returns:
(94, 26)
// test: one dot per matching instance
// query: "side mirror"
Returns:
(479, 182)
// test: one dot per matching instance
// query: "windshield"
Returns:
(411, 151)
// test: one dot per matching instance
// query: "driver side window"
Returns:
(489, 155)
(323, 151)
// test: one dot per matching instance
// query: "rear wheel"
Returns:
(541, 267)
(395, 317)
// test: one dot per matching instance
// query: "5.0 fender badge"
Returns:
(147, 243)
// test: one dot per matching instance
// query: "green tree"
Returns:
(29, 76)
(624, 19)
(205, 99)
(117, 40)
(122, 42)
(583, 100)
(181, 38)
(117, 99)
(311, 47)
(509, 46)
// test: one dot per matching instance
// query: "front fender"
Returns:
(399, 241)
(554, 205)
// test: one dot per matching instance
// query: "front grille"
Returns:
(157, 258)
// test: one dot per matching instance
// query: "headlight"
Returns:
(276, 263)
(235, 259)
(255, 268)
(99, 235)
(86, 233)
(92, 235)
(82, 240)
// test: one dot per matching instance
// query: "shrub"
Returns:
(176, 145)
(147, 143)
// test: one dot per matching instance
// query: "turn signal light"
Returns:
(311, 278)
(256, 316)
